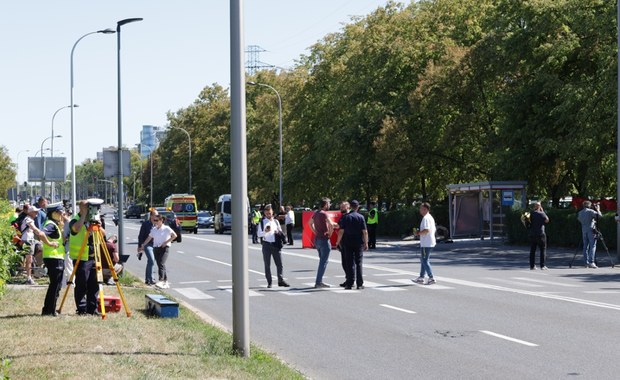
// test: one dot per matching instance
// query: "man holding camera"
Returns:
(86, 285)
(587, 217)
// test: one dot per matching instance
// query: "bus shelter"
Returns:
(477, 209)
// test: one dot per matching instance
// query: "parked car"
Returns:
(205, 219)
(170, 219)
(135, 211)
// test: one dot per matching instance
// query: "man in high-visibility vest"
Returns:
(86, 285)
(254, 220)
(373, 220)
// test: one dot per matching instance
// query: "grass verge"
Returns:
(139, 347)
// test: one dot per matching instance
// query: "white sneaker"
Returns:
(419, 280)
(431, 281)
(544, 268)
(30, 281)
(166, 285)
(160, 284)
(592, 265)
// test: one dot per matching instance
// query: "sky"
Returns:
(166, 60)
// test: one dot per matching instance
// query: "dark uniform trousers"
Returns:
(55, 271)
(86, 286)
(353, 256)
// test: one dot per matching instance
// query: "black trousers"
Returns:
(372, 235)
(353, 255)
(161, 256)
(289, 233)
(55, 271)
(86, 286)
(254, 229)
(270, 250)
(539, 241)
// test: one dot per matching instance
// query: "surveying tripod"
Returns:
(94, 230)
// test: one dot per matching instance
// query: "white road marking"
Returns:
(509, 338)
(251, 293)
(213, 260)
(383, 288)
(547, 282)
(407, 281)
(193, 293)
(398, 309)
(194, 282)
(602, 291)
(514, 282)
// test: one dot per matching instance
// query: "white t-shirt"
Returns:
(268, 236)
(160, 235)
(27, 232)
(428, 223)
(290, 217)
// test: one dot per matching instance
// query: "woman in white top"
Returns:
(162, 236)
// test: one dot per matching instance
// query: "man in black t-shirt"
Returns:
(537, 235)
(353, 240)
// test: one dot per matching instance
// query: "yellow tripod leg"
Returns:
(75, 267)
(97, 241)
(115, 277)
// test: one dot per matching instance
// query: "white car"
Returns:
(205, 219)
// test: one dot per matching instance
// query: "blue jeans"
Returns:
(425, 256)
(150, 262)
(589, 246)
(324, 248)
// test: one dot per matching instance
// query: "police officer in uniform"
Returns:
(53, 256)
(373, 220)
(86, 286)
(255, 219)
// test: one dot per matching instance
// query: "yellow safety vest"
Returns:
(375, 219)
(50, 252)
(256, 217)
(75, 242)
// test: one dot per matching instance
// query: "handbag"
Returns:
(280, 240)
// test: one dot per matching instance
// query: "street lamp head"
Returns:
(57, 136)
(107, 31)
(252, 83)
(127, 21)
(75, 106)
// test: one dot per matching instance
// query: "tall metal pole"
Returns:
(17, 168)
(189, 141)
(72, 105)
(618, 125)
(279, 128)
(52, 150)
(120, 190)
(239, 182)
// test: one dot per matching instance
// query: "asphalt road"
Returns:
(487, 317)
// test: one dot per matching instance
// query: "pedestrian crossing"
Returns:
(302, 287)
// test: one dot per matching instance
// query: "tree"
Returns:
(8, 172)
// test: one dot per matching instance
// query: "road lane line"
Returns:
(382, 287)
(547, 282)
(251, 293)
(213, 260)
(194, 282)
(515, 340)
(193, 293)
(514, 282)
(398, 309)
(407, 281)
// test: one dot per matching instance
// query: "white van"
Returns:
(222, 216)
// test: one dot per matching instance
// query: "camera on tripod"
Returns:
(94, 204)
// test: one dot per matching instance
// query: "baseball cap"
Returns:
(33, 208)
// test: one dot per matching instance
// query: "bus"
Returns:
(185, 208)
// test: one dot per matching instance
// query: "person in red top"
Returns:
(322, 227)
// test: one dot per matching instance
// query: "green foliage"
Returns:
(563, 229)
(8, 172)
(409, 99)
(7, 253)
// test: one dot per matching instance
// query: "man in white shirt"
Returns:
(427, 243)
(30, 236)
(289, 221)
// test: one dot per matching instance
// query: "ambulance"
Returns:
(184, 206)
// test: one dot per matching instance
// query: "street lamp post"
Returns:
(120, 189)
(72, 105)
(279, 127)
(43, 165)
(151, 173)
(189, 141)
(52, 146)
